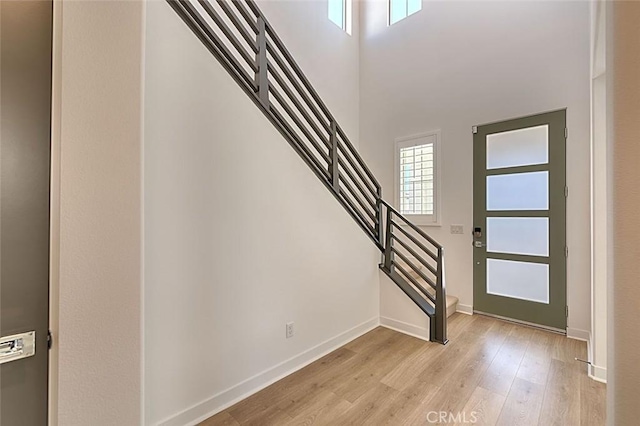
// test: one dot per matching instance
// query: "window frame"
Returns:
(416, 140)
(389, 7)
(347, 15)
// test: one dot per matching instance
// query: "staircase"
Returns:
(238, 35)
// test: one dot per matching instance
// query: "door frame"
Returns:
(553, 315)
(54, 210)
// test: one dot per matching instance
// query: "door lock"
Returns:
(477, 234)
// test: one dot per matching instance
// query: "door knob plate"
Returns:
(17, 346)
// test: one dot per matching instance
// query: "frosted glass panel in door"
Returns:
(518, 235)
(518, 280)
(522, 147)
(518, 191)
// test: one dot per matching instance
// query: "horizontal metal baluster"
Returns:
(354, 163)
(300, 90)
(295, 101)
(416, 255)
(228, 33)
(220, 49)
(299, 144)
(295, 118)
(415, 268)
(358, 199)
(254, 7)
(248, 38)
(415, 241)
(413, 281)
(412, 226)
(356, 215)
(358, 158)
(252, 21)
(367, 194)
(296, 69)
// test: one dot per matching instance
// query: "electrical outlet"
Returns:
(289, 326)
(457, 229)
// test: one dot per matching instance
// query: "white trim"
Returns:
(406, 328)
(213, 405)
(54, 211)
(406, 141)
(599, 374)
(595, 372)
(347, 16)
(464, 309)
(577, 334)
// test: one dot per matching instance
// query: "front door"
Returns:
(25, 110)
(520, 219)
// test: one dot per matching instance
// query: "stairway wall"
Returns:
(240, 236)
(399, 312)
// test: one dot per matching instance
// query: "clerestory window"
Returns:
(400, 9)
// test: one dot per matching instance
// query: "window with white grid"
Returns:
(416, 177)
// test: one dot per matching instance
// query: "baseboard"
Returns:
(207, 408)
(599, 374)
(406, 328)
(595, 372)
(576, 333)
(464, 309)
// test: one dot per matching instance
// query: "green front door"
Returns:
(519, 213)
(25, 135)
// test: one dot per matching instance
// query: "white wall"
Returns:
(240, 236)
(459, 64)
(398, 312)
(96, 214)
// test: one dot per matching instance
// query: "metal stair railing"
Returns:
(421, 258)
(240, 37)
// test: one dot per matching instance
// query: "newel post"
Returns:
(441, 301)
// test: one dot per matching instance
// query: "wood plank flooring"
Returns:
(492, 372)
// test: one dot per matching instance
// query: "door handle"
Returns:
(17, 346)
(478, 244)
(11, 347)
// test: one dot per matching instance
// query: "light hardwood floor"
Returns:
(492, 372)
